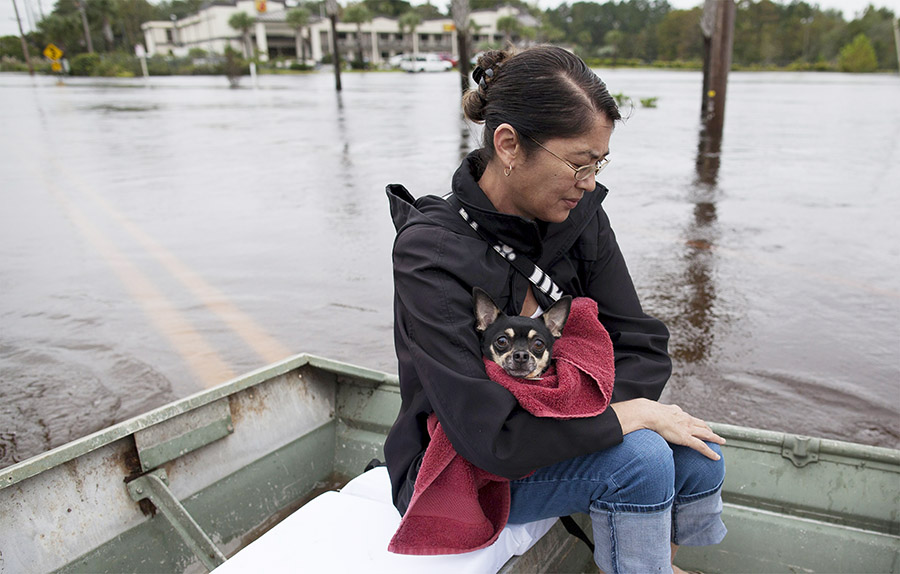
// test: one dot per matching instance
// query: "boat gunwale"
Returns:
(62, 454)
(37, 464)
(833, 447)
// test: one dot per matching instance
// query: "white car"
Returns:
(424, 63)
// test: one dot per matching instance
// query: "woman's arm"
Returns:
(669, 421)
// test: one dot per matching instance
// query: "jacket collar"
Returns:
(523, 235)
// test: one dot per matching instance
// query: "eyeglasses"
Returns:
(583, 172)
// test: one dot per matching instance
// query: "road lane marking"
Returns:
(203, 361)
(266, 347)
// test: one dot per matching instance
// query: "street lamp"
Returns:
(174, 20)
(806, 22)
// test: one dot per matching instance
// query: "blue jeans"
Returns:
(642, 495)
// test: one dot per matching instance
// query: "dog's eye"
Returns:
(538, 346)
(501, 343)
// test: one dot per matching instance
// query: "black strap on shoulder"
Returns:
(575, 530)
(548, 292)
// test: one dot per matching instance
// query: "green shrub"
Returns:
(678, 64)
(11, 46)
(158, 66)
(622, 99)
(12, 65)
(85, 64)
(649, 102)
(209, 69)
(858, 56)
(234, 66)
(113, 64)
(800, 66)
(614, 62)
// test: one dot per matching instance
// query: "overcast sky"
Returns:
(30, 10)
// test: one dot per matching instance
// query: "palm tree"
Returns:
(243, 22)
(103, 11)
(509, 25)
(410, 21)
(88, 42)
(298, 19)
(460, 10)
(357, 13)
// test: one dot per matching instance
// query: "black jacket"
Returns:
(438, 259)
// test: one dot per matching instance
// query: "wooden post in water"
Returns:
(24, 43)
(718, 38)
(331, 6)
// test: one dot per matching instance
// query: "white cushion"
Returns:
(349, 531)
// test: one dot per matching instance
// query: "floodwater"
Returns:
(156, 240)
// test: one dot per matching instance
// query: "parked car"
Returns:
(424, 63)
(448, 58)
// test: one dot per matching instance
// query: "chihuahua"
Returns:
(522, 346)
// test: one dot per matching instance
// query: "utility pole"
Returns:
(331, 6)
(718, 38)
(24, 43)
(84, 22)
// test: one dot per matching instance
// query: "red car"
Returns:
(448, 58)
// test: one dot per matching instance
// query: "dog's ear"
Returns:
(555, 317)
(486, 311)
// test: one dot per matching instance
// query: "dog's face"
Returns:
(521, 345)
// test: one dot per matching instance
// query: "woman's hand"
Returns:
(669, 421)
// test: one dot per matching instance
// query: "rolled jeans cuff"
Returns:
(697, 519)
(632, 537)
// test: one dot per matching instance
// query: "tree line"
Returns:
(768, 34)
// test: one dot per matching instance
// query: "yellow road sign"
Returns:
(52, 52)
(56, 66)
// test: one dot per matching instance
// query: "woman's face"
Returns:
(544, 187)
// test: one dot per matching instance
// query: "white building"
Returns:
(272, 37)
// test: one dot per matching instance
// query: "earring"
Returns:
(507, 171)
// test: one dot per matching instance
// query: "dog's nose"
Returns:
(520, 356)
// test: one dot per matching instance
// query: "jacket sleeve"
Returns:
(640, 341)
(434, 273)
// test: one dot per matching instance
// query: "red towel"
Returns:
(457, 507)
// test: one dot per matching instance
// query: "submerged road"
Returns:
(156, 241)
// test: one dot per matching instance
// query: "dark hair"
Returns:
(544, 92)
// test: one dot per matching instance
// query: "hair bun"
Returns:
(493, 58)
(484, 74)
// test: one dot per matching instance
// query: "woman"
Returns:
(648, 474)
